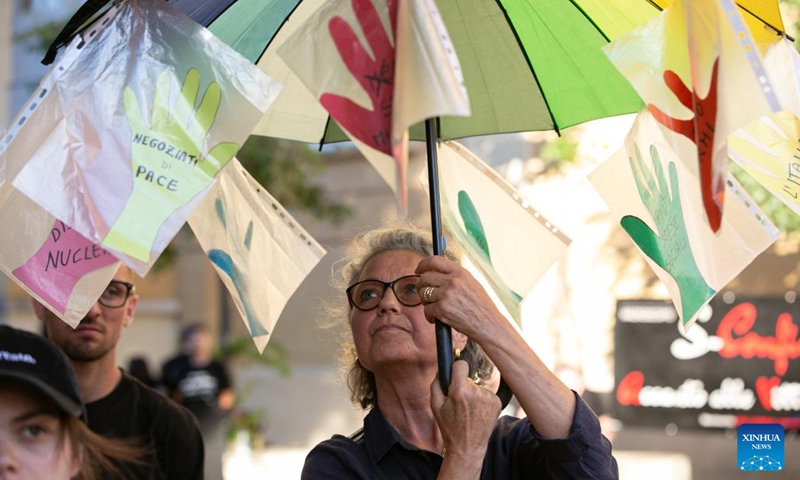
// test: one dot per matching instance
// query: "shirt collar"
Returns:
(379, 436)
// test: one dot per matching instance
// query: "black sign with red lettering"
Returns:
(740, 363)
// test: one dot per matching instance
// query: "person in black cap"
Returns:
(118, 405)
(43, 434)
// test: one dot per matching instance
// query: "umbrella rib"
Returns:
(222, 12)
(590, 20)
(655, 5)
(773, 28)
(530, 66)
(286, 19)
(743, 8)
(324, 131)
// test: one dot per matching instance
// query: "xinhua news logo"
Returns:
(760, 447)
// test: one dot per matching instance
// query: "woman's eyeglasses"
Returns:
(116, 294)
(367, 294)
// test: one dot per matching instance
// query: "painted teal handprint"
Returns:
(669, 248)
(224, 262)
(474, 227)
(472, 222)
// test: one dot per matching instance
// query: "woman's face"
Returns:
(392, 332)
(32, 441)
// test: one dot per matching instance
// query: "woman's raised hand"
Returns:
(452, 295)
(466, 416)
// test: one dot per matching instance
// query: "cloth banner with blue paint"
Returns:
(259, 251)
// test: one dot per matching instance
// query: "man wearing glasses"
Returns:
(117, 405)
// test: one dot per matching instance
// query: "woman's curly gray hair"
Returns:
(363, 248)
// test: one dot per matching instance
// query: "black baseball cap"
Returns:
(37, 361)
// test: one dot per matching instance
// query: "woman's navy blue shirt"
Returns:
(515, 452)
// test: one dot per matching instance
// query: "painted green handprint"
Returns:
(669, 248)
(472, 222)
(474, 227)
(166, 160)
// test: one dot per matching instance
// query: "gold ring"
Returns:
(427, 294)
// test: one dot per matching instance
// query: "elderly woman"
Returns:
(42, 431)
(395, 290)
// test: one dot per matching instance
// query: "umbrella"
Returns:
(506, 92)
(526, 65)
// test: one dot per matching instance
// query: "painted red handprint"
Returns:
(375, 73)
(700, 130)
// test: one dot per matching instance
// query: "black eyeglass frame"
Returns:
(130, 289)
(386, 286)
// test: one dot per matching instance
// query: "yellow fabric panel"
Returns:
(756, 14)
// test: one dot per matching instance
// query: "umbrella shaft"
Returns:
(433, 182)
(444, 335)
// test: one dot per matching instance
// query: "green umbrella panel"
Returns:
(527, 65)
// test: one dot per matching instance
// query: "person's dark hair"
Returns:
(139, 369)
(101, 456)
(364, 247)
(191, 329)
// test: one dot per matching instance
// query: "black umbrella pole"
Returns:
(444, 336)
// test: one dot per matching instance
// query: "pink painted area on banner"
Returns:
(54, 270)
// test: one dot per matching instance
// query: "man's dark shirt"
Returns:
(136, 412)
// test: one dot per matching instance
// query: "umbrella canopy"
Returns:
(527, 65)
(763, 19)
(524, 67)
